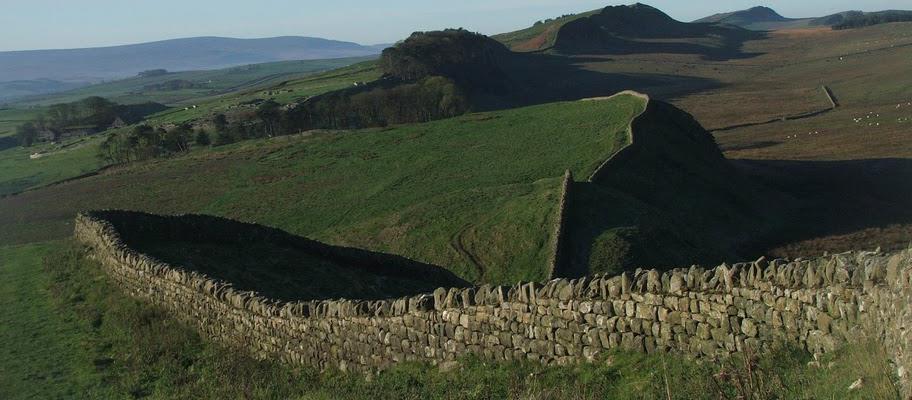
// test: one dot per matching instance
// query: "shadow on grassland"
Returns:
(670, 199)
(272, 262)
(839, 198)
(539, 78)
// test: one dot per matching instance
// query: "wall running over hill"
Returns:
(817, 304)
(618, 156)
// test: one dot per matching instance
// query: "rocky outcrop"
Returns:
(816, 304)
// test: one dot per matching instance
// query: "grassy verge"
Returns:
(45, 353)
(132, 350)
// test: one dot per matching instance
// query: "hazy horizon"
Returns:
(45, 24)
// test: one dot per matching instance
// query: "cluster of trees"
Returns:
(869, 19)
(379, 104)
(470, 59)
(27, 134)
(145, 142)
(429, 76)
(90, 113)
(269, 120)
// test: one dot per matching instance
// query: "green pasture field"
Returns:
(476, 194)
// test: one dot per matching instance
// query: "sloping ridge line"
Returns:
(631, 132)
(560, 229)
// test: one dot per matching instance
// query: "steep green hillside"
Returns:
(476, 194)
(673, 199)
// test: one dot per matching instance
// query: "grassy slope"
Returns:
(538, 37)
(211, 82)
(18, 172)
(45, 352)
(111, 346)
(474, 193)
(284, 91)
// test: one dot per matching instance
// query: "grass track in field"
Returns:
(44, 352)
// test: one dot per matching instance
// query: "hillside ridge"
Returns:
(630, 129)
(748, 16)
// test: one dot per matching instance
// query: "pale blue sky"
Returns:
(43, 24)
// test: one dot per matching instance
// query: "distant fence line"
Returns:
(831, 98)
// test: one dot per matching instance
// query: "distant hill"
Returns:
(834, 19)
(200, 53)
(765, 18)
(628, 29)
(639, 28)
(745, 17)
(16, 89)
(858, 19)
(758, 19)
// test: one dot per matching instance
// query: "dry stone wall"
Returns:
(558, 258)
(817, 304)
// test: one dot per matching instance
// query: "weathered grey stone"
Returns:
(818, 304)
(748, 327)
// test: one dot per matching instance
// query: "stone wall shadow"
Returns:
(275, 263)
(539, 78)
